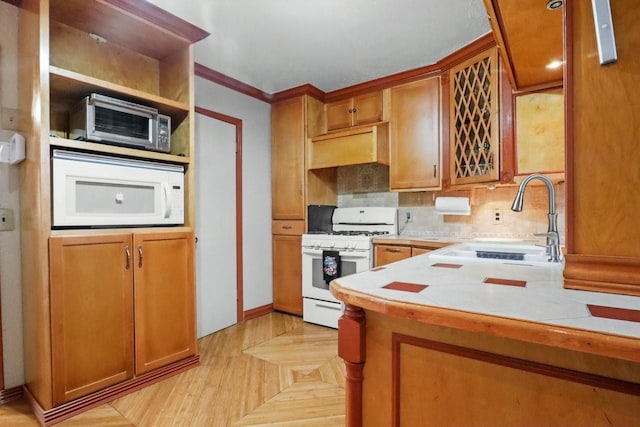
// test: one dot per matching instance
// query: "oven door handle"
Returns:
(345, 255)
(331, 307)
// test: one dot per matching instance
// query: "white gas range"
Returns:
(345, 250)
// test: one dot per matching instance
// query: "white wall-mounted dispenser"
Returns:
(13, 151)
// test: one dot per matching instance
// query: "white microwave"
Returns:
(91, 190)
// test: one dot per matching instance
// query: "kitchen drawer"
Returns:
(323, 313)
(386, 254)
(287, 227)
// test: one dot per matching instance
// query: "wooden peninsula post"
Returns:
(351, 348)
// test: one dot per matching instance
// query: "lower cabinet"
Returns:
(287, 273)
(386, 254)
(111, 294)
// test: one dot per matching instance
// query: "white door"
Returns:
(215, 161)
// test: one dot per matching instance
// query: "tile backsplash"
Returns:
(368, 185)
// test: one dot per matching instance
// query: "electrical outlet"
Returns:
(409, 216)
(497, 217)
(6, 219)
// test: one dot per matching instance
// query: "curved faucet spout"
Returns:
(519, 200)
(553, 238)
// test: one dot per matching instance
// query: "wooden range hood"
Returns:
(353, 146)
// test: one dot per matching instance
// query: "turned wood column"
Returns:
(351, 348)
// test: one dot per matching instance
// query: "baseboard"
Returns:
(9, 394)
(77, 406)
(258, 311)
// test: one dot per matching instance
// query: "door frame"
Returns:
(239, 226)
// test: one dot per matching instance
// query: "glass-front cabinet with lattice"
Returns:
(474, 120)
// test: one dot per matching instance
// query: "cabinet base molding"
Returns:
(618, 275)
(10, 394)
(258, 311)
(67, 410)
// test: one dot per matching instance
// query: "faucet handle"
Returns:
(551, 235)
(553, 244)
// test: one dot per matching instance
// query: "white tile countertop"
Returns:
(508, 298)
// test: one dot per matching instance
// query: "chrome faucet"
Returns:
(553, 238)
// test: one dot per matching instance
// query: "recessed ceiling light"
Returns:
(554, 64)
(554, 4)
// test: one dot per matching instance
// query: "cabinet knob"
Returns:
(355, 109)
(350, 110)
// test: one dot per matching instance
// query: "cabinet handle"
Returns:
(392, 250)
(287, 227)
(128, 252)
(434, 171)
(139, 256)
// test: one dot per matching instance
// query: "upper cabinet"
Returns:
(359, 110)
(539, 132)
(292, 122)
(529, 37)
(474, 126)
(415, 136)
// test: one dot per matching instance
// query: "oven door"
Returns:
(313, 283)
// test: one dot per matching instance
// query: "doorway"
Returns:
(218, 201)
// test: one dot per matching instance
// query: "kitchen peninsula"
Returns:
(428, 341)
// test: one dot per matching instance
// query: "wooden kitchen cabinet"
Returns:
(474, 125)
(515, 25)
(358, 110)
(396, 250)
(539, 124)
(91, 312)
(164, 299)
(386, 254)
(415, 136)
(287, 273)
(293, 121)
(68, 49)
(419, 251)
(111, 294)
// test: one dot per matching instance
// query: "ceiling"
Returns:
(274, 45)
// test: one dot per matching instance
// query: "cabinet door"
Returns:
(367, 108)
(287, 159)
(386, 254)
(287, 273)
(419, 251)
(164, 298)
(339, 114)
(91, 313)
(540, 132)
(415, 136)
(474, 122)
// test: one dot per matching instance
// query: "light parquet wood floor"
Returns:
(275, 370)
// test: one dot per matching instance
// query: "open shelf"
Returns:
(74, 86)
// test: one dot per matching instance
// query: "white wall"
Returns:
(256, 177)
(10, 276)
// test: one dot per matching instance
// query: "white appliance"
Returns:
(91, 190)
(350, 239)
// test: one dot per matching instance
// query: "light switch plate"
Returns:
(6, 219)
